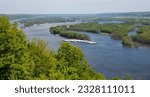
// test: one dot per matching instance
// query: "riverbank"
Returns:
(108, 56)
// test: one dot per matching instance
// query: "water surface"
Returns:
(113, 59)
(108, 56)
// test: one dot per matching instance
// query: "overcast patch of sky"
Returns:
(72, 6)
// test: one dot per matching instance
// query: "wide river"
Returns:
(108, 56)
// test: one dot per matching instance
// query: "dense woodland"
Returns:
(143, 35)
(22, 59)
(116, 31)
(93, 27)
(68, 33)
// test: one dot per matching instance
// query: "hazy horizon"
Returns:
(68, 13)
(73, 6)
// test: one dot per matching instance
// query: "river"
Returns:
(108, 56)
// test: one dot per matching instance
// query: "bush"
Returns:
(143, 36)
(127, 41)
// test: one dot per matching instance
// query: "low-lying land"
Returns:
(68, 33)
(87, 27)
(32, 21)
(116, 31)
(143, 35)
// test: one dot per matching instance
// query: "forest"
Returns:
(68, 33)
(116, 31)
(93, 27)
(21, 59)
(143, 35)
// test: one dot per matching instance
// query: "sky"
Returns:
(72, 6)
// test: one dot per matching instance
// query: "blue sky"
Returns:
(72, 6)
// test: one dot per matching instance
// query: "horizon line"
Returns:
(71, 13)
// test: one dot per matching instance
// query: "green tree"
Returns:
(14, 55)
(73, 63)
(44, 58)
(127, 41)
(21, 59)
(143, 36)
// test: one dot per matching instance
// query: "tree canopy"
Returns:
(14, 55)
(21, 59)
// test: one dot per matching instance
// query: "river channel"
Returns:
(108, 56)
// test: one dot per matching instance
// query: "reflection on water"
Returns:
(108, 56)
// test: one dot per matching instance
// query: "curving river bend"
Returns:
(108, 56)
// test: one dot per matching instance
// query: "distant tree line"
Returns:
(32, 21)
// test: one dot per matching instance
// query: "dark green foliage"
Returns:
(117, 30)
(143, 36)
(69, 34)
(87, 27)
(127, 41)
